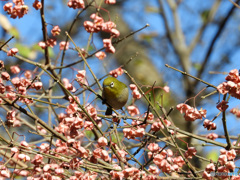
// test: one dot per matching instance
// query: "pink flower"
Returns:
(207, 175)
(62, 44)
(42, 44)
(1, 64)
(4, 172)
(209, 125)
(190, 152)
(222, 106)
(8, 7)
(37, 160)
(89, 27)
(115, 33)
(133, 110)
(140, 132)
(230, 165)
(102, 141)
(153, 147)
(21, 172)
(23, 157)
(100, 55)
(222, 159)
(12, 52)
(37, 5)
(231, 154)
(28, 74)
(233, 76)
(110, 1)
(51, 42)
(210, 167)
(37, 85)
(212, 136)
(129, 133)
(15, 69)
(116, 72)
(166, 89)
(81, 77)
(55, 30)
(76, 4)
(153, 170)
(157, 125)
(107, 43)
(131, 172)
(5, 76)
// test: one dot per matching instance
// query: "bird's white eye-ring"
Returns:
(112, 84)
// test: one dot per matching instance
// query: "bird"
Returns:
(114, 94)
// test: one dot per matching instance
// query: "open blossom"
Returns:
(209, 125)
(5, 76)
(37, 5)
(116, 72)
(102, 141)
(28, 74)
(81, 77)
(76, 4)
(133, 110)
(68, 85)
(190, 152)
(55, 30)
(100, 55)
(191, 114)
(212, 136)
(15, 69)
(222, 106)
(63, 44)
(8, 7)
(110, 1)
(232, 84)
(12, 52)
(136, 94)
(42, 44)
(153, 147)
(107, 43)
(37, 85)
(51, 42)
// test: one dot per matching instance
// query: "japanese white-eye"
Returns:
(115, 94)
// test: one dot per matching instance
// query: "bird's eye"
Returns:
(112, 84)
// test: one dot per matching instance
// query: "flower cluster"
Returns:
(97, 25)
(16, 9)
(136, 94)
(227, 165)
(209, 125)
(81, 78)
(76, 4)
(164, 159)
(232, 86)
(191, 113)
(116, 72)
(20, 85)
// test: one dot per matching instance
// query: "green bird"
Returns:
(115, 94)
